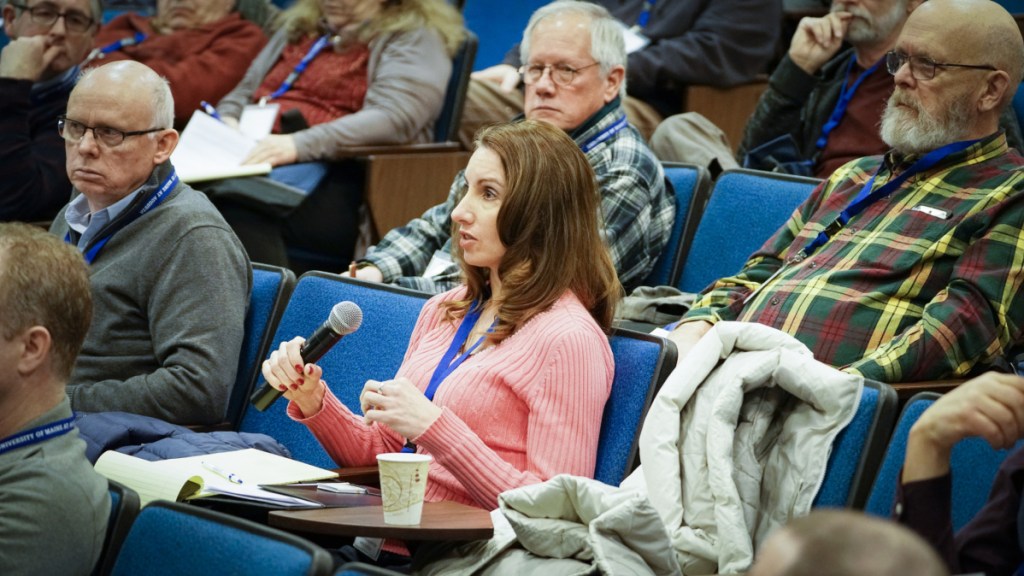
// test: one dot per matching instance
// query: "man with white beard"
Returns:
(907, 266)
(824, 103)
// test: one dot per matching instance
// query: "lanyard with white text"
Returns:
(153, 201)
(101, 52)
(605, 134)
(452, 359)
(318, 47)
(645, 16)
(37, 435)
(865, 198)
(845, 95)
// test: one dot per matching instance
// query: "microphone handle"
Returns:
(322, 339)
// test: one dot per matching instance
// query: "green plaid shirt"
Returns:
(924, 284)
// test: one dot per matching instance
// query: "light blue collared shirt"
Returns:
(88, 224)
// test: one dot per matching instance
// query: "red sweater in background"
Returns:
(204, 63)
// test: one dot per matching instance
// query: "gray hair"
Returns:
(606, 44)
(161, 99)
(95, 5)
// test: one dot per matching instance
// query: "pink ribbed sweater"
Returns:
(514, 414)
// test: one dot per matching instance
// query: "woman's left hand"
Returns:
(277, 149)
(399, 405)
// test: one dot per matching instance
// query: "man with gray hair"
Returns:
(823, 104)
(906, 267)
(171, 280)
(574, 74)
(53, 505)
(38, 68)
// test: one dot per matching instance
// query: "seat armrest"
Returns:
(430, 147)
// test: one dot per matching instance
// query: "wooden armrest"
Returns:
(363, 475)
(905, 390)
(432, 147)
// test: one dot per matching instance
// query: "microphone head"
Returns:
(345, 318)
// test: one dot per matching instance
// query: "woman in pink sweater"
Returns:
(517, 357)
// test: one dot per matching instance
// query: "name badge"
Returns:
(931, 211)
(258, 119)
(634, 39)
(439, 263)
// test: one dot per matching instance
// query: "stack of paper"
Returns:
(193, 477)
(210, 149)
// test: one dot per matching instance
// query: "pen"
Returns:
(229, 476)
(209, 109)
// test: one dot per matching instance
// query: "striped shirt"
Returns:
(638, 212)
(924, 284)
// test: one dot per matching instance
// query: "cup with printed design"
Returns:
(403, 483)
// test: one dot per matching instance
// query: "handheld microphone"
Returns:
(345, 319)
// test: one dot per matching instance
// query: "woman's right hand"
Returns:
(300, 382)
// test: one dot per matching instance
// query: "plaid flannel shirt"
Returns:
(924, 284)
(637, 206)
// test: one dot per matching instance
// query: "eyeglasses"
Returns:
(920, 67)
(561, 74)
(47, 14)
(73, 131)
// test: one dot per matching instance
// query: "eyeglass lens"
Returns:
(46, 14)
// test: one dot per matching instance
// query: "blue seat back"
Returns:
(124, 507)
(858, 449)
(973, 463)
(745, 208)
(170, 538)
(374, 351)
(271, 286)
(689, 185)
(500, 24)
(447, 125)
(642, 362)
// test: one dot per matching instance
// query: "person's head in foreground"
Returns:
(845, 543)
(527, 228)
(47, 306)
(574, 62)
(956, 65)
(117, 130)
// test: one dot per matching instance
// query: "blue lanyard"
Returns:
(37, 435)
(845, 96)
(605, 134)
(645, 16)
(452, 359)
(154, 200)
(317, 47)
(137, 38)
(866, 197)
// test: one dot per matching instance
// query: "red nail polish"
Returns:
(309, 369)
(298, 368)
(295, 386)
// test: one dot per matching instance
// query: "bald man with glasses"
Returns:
(171, 280)
(38, 68)
(907, 266)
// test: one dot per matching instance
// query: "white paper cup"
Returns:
(403, 482)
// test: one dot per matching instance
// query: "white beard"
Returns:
(911, 133)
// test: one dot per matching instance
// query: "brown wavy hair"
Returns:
(303, 19)
(549, 223)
